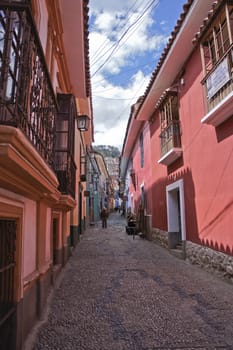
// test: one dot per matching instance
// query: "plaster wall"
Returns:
(206, 167)
(159, 177)
(48, 235)
(28, 264)
(208, 153)
(43, 23)
(143, 174)
(29, 238)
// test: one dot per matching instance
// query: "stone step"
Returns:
(177, 252)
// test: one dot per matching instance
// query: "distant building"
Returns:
(113, 170)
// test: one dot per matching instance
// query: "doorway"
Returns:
(7, 285)
(175, 214)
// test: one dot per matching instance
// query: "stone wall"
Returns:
(210, 259)
(160, 237)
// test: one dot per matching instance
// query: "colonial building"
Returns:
(177, 149)
(44, 93)
(104, 188)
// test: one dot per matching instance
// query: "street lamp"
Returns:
(83, 122)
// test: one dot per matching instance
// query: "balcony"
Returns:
(66, 173)
(219, 91)
(65, 167)
(27, 100)
(170, 143)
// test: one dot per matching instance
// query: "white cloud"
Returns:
(104, 22)
(98, 6)
(112, 108)
(118, 36)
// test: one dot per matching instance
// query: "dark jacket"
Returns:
(104, 213)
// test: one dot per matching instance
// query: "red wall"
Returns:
(206, 167)
(143, 175)
(159, 179)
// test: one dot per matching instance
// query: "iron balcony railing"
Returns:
(66, 172)
(65, 167)
(170, 137)
(27, 99)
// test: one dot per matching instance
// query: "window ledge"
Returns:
(171, 156)
(220, 113)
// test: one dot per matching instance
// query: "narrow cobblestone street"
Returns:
(120, 293)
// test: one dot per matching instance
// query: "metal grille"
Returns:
(27, 99)
(7, 267)
(64, 147)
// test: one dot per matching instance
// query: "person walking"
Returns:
(104, 216)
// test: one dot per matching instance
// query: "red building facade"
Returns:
(185, 117)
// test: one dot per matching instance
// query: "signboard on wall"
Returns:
(218, 78)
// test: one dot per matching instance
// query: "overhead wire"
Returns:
(104, 44)
(121, 29)
(116, 76)
(136, 27)
(115, 99)
(115, 46)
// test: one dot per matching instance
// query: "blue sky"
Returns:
(127, 38)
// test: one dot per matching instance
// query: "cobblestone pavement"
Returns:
(120, 293)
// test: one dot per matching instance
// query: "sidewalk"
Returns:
(120, 293)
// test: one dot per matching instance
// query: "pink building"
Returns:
(178, 147)
(44, 92)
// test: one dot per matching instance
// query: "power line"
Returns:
(136, 27)
(104, 44)
(125, 72)
(116, 99)
(115, 46)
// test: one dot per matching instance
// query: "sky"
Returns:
(126, 39)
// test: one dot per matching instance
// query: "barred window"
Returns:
(141, 144)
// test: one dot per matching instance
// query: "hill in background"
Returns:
(108, 151)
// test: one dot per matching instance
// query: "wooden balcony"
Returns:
(170, 143)
(219, 91)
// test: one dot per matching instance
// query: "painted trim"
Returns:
(219, 113)
(15, 211)
(178, 185)
(171, 156)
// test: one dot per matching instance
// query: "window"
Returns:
(64, 149)
(169, 123)
(169, 110)
(170, 129)
(217, 53)
(218, 38)
(141, 145)
(11, 32)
